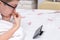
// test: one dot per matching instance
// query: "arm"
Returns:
(9, 33)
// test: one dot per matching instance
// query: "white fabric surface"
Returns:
(26, 4)
(33, 19)
(5, 26)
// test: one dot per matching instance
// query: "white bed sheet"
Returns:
(33, 19)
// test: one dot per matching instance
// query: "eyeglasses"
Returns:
(8, 4)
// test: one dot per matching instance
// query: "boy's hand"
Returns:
(17, 19)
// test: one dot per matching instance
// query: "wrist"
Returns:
(16, 25)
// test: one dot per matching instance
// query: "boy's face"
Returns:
(6, 10)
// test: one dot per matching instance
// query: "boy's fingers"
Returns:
(16, 14)
(14, 17)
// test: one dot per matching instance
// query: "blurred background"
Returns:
(39, 4)
(28, 4)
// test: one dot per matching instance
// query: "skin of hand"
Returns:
(9, 33)
(17, 19)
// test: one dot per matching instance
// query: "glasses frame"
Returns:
(8, 4)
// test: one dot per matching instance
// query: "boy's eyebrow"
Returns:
(8, 4)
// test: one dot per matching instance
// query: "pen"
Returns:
(38, 32)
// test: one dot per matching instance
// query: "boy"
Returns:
(13, 31)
